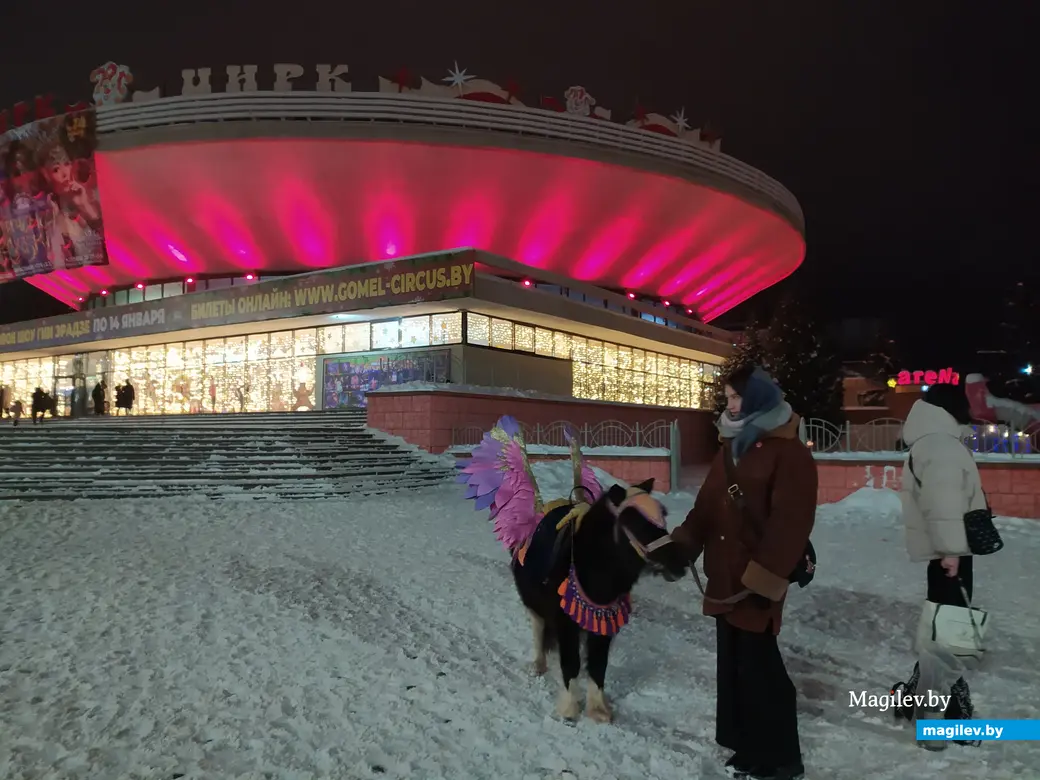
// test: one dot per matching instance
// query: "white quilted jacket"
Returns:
(950, 486)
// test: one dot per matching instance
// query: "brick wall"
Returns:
(1012, 487)
(426, 419)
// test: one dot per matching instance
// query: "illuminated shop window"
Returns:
(478, 329)
(446, 328)
(357, 337)
(282, 344)
(415, 332)
(501, 334)
(602, 370)
(561, 345)
(543, 342)
(330, 340)
(276, 371)
(523, 338)
(305, 342)
(386, 335)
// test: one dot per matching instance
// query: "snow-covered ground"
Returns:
(382, 638)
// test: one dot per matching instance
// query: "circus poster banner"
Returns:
(50, 211)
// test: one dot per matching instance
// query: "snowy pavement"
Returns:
(382, 638)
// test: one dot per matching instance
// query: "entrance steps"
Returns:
(302, 455)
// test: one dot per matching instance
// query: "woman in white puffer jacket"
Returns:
(940, 485)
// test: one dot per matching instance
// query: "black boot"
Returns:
(738, 766)
(908, 688)
(960, 708)
(786, 772)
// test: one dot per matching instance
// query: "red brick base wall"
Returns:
(1013, 487)
(426, 419)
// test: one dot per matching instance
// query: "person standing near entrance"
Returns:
(38, 405)
(97, 395)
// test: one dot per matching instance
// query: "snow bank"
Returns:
(873, 499)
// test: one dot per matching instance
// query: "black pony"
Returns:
(575, 578)
(574, 562)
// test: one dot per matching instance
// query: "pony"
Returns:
(574, 560)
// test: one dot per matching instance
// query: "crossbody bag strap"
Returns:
(910, 465)
(736, 495)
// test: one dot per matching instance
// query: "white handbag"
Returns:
(959, 630)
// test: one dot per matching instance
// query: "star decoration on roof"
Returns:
(679, 117)
(457, 77)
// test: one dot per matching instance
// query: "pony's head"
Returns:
(640, 522)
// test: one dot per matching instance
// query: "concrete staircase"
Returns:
(306, 455)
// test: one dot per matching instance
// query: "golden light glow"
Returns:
(478, 329)
(256, 373)
(446, 328)
(523, 338)
(501, 334)
(606, 371)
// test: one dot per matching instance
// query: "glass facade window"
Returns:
(602, 370)
(253, 373)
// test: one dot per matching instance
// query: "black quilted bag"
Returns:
(983, 537)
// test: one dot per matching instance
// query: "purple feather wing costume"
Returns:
(498, 477)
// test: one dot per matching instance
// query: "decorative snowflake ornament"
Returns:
(679, 117)
(457, 77)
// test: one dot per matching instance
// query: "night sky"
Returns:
(896, 124)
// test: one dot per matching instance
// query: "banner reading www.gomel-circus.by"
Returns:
(50, 212)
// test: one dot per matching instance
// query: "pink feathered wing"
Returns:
(498, 477)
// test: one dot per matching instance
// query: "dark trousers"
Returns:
(946, 590)
(756, 712)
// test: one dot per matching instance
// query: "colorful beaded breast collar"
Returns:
(608, 619)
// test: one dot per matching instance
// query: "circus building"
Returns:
(273, 239)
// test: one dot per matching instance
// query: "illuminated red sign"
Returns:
(945, 376)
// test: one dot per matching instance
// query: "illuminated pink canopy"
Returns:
(180, 210)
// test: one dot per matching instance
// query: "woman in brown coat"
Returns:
(752, 539)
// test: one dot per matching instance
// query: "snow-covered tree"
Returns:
(802, 362)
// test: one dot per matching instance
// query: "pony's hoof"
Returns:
(539, 667)
(597, 709)
(567, 706)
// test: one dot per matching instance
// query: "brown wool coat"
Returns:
(778, 477)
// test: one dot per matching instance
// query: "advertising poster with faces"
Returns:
(348, 380)
(50, 211)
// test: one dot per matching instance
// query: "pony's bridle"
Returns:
(650, 509)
